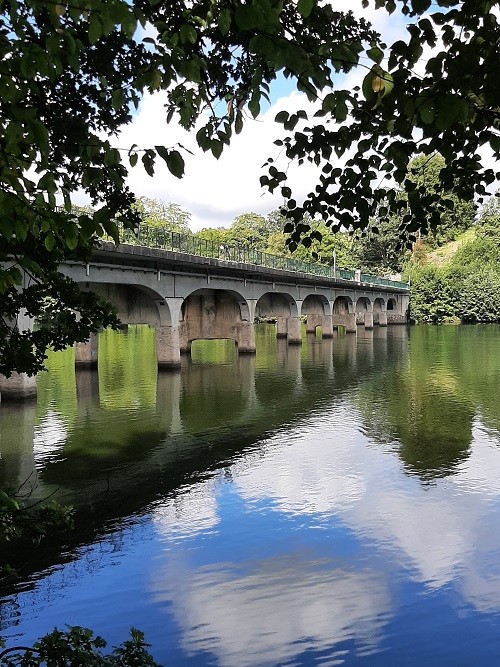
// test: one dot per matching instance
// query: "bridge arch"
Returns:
(284, 308)
(317, 310)
(135, 304)
(216, 314)
(342, 305)
(276, 304)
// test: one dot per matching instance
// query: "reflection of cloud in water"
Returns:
(435, 531)
(312, 476)
(192, 511)
(480, 473)
(49, 438)
(267, 612)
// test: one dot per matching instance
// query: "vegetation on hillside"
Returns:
(466, 286)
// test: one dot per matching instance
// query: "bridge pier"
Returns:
(327, 326)
(281, 327)
(294, 334)
(347, 320)
(382, 318)
(168, 351)
(369, 320)
(19, 386)
(245, 338)
(86, 353)
(313, 321)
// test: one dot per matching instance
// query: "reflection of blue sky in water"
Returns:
(309, 550)
(313, 546)
(326, 478)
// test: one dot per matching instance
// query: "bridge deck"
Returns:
(146, 257)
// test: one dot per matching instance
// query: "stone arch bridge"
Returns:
(188, 297)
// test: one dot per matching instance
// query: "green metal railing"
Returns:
(165, 239)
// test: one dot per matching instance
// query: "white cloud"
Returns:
(215, 191)
(190, 512)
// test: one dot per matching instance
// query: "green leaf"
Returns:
(238, 123)
(95, 28)
(72, 242)
(420, 6)
(376, 54)
(247, 17)
(341, 110)
(50, 241)
(426, 111)
(173, 160)
(118, 99)
(254, 106)
(281, 117)
(224, 20)
(305, 7)
(188, 34)
(216, 147)
(190, 70)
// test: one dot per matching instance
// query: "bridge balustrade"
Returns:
(152, 236)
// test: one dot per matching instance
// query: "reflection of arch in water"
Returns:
(127, 368)
(216, 314)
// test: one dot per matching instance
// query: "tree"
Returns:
(321, 248)
(432, 102)
(78, 646)
(425, 171)
(378, 248)
(72, 74)
(249, 230)
(157, 213)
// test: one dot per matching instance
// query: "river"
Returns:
(335, 504)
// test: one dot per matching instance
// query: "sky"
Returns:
(216, 191)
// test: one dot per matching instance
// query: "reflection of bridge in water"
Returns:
(182, 422)
(187, 297)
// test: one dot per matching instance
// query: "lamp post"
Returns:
(334, 254)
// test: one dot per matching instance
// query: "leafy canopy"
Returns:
(72, 74)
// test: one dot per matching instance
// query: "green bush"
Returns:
(78, 647)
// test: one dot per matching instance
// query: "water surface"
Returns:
(335, 504)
